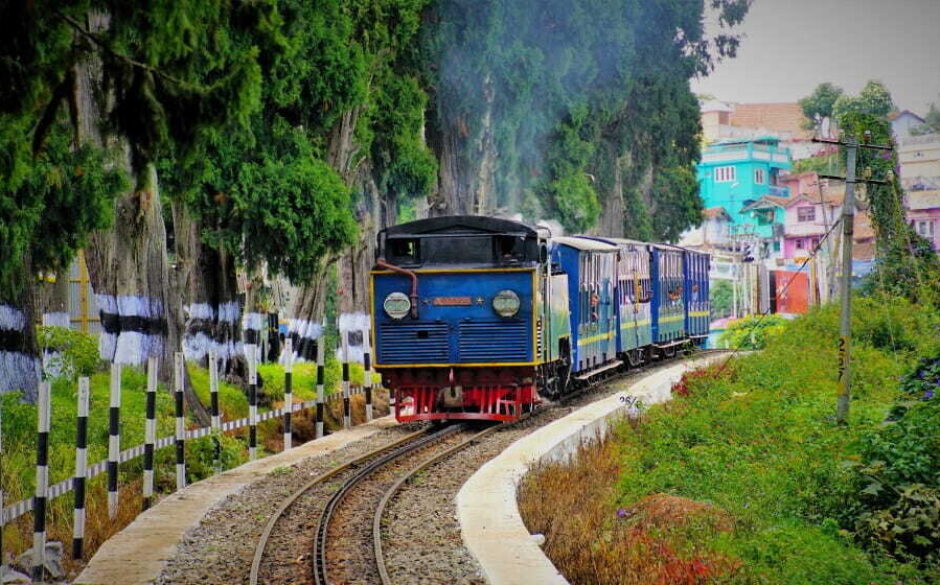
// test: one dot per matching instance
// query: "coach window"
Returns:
(510, 248)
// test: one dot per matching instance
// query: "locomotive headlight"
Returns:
(397, 305)
(506, 303)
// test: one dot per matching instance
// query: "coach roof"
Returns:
(455, 224)
(584, 244)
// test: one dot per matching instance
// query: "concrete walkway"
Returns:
(490, 523)
(137, 554)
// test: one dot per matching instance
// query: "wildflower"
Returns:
(928, 394)
(622, 513)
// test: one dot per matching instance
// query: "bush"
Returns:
(73, 353)
(752, 332)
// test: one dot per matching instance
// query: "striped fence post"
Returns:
(3, 519)
(367, 371)
(321, 350)
(81, 470)
(114, 439)
(42, 482)
(150, 431)
(344, 344)
(180, 370)
(214, 409)
(288, 392)
(251, 352)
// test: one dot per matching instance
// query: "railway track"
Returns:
(328, 492)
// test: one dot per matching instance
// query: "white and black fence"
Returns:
(353, 347)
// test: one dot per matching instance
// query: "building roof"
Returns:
(767, 201)
(895, 115)
(775, 118)
(830, 198)
(919, 200)
(716, 213)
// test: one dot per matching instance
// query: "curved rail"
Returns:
(380, 509)
(269, 528)
(319, 545)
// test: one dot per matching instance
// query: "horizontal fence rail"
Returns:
(65, 486)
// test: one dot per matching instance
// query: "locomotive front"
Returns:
(454, 309)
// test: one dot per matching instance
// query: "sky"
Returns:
(791, 46)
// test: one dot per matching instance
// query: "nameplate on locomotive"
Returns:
(452, 301)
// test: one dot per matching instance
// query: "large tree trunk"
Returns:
(53, 300)
(610, 191)
(211, 305)
(19, 362)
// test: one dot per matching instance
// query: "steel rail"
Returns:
(320, 479)
(390, 493)
(319, 545)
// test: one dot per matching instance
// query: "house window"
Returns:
(724, 174)
(806, 213)
(815, 243)
(759, 176)
(799, 244)
(925, 228)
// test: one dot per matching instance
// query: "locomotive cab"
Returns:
(457, 316)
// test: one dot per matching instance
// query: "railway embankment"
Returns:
(745, 476)
(490, 522)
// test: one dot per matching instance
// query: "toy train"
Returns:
(481, 318)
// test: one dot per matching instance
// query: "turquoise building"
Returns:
(740, 175)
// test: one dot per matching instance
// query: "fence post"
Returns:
(251, 352)
(3, 522)
(214, 406)
(180, 370)
(288, 392)
(42, 482)
(114, 439)
(81, 469)
(321, 349)
(367, 370)
(150, 430)
(344, 344)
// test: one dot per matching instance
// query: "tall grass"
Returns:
(756, 444)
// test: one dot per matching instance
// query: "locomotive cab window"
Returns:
(403, 251)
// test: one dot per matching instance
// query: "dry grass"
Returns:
(592, 540)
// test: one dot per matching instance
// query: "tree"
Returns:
(874, 100)
(931, 123)
(819, 104)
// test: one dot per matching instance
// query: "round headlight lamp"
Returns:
(506, 303)
(397, 305)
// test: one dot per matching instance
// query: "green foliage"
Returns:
(931, 123)
(820, 103)
(75, 353)
(752, 332)
(874, 100)
(828, 164)
(582, 100)
(65, 194)
(756, 439)
(720, 297)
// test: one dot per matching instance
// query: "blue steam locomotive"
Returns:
(480, 318)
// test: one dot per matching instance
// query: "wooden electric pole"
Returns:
(848, 231)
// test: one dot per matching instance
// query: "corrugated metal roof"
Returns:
(586, 244)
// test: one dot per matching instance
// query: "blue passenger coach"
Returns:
(698, 307)
(668, 307)
(589, 265)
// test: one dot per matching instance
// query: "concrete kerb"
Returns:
(138, 554)
(490, 523)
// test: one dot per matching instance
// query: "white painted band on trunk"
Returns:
(202, 311)
(353, 322)
(19, 371)
(57, 319)
(254, 321)
(229, 312)
(11, 318)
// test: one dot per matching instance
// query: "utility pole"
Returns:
(845, 292)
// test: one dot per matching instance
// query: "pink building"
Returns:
(807, 218)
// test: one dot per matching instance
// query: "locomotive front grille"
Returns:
(413, 343)
(497, 341)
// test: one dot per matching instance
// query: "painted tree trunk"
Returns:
(19, 361)
(211, 307)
